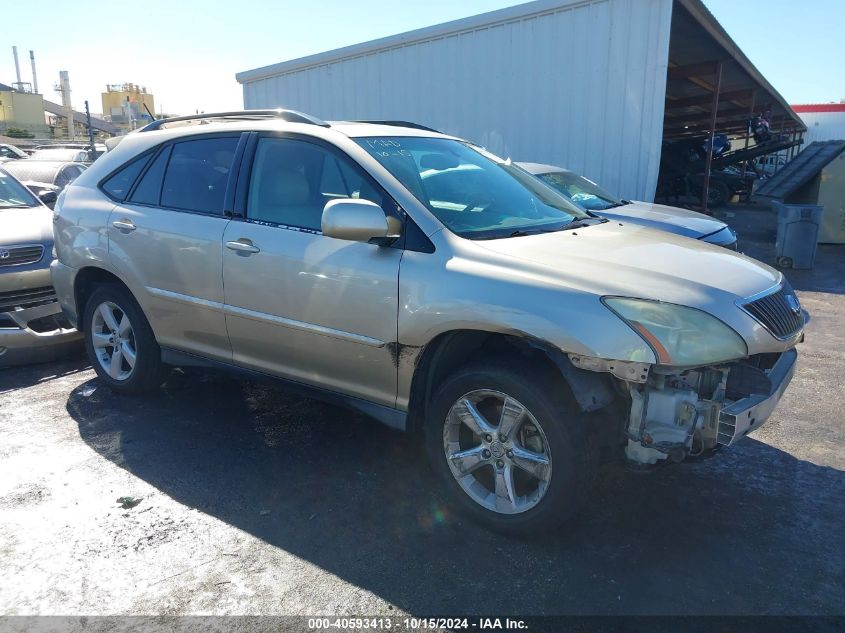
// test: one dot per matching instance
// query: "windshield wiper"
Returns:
(16, 206)
(522, 232)
(585, 222)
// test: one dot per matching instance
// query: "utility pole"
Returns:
(90, 129)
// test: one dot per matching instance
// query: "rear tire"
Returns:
(475, 469)
(120, 342)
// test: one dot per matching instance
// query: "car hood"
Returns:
(671, 219)
(33, 225)
(635, 261)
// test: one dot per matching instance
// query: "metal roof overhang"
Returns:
(698, 47)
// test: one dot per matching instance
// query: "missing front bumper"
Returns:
(694, 412)
(739, 418)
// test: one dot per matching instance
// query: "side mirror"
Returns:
(355, 221)
(48, 197)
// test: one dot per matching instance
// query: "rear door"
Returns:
(301, 305)
(166, 238)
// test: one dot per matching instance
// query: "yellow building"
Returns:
(123, 105)
(22, 110)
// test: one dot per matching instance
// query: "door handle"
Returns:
(123, 225)
(243, 245)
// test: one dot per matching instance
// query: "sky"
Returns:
(187, 52)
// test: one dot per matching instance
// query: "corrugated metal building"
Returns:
(576, 83)
(824, 121)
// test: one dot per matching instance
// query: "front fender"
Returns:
(440, 293)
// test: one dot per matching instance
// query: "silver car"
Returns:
(44, 175)
(32, 327)
(591, 197)
(517, 334)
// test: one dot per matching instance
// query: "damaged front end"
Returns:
(674, 414)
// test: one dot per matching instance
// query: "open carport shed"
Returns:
(592, 85)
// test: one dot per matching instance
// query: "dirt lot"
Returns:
(253, 501)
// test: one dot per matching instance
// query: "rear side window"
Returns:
(148, 190)
(197, 173)
(118, 184)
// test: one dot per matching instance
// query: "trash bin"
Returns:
(798, 234)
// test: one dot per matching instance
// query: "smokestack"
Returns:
(17, 66)
(34, 76)
(64, 88)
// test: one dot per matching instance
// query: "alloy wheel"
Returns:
(497, 451)
(113, 340)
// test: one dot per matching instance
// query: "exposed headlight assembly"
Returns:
(678, 335)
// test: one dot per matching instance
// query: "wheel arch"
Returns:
(86, 281)
(452, 349)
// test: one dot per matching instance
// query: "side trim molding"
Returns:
(267, 318)
(302, 325)
(178, 296)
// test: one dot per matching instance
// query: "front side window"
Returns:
(292, 180)
(473, 193)
(197, 174)
(583, 192)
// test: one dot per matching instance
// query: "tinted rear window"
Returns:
(148, 190)
(197, 174)
(119, 183)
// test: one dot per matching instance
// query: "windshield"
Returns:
(473, 193)
(581, 191)
(14, 194)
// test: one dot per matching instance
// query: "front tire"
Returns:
(511, 447)
(120, 342)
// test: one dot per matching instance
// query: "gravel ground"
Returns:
(254, 501)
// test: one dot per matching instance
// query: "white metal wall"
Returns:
(575, 83)
(823, 126)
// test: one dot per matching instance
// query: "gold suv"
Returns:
(436, 287)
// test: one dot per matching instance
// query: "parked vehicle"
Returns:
(10, 152)
(32, 327)
(94, 152)
(518, 333)
(45, 175)
(589, 196)
(62, 154)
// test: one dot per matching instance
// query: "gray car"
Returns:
(44, 175)
(591, 197)
(32, 327)
(515, 334)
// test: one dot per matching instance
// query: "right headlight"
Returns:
(678, 335)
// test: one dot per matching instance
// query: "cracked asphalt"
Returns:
(255, 501)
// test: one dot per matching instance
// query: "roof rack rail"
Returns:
(291, 116)
(409, 124)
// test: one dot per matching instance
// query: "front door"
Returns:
(300, 305)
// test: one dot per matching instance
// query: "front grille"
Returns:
(20, 255)
(26, 298)
(779, 312)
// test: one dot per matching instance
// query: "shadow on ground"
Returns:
(336, 489)
(12, 378)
